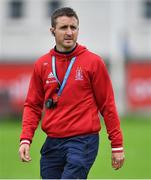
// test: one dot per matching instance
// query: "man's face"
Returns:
(66, 33)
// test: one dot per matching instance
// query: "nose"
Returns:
(69, 31)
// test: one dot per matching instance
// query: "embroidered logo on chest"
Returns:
(51, 78)
(79, 74)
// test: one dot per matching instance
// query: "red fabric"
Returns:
(88, 91)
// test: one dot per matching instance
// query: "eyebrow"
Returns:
(65, 26)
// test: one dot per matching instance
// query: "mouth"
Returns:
(68, 39)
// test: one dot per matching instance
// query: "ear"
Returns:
(52, 30)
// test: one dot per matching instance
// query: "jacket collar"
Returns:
(68, 56)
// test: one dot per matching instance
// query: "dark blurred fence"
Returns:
(138, 85)
(14, 81)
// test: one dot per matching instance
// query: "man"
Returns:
(73, 86)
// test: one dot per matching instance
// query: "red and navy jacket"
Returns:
(88, 92)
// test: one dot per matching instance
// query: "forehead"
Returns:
(65, 20)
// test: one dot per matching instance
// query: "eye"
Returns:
(73, 27)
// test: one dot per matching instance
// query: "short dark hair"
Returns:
(65, 11)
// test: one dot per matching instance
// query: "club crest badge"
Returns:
(79, 74)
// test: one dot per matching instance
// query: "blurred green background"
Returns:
(137, 140)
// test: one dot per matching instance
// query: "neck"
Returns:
(65, 51)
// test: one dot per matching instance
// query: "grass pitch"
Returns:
(137, 140)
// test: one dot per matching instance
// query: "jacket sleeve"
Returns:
(104, 96)
(33, 105)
